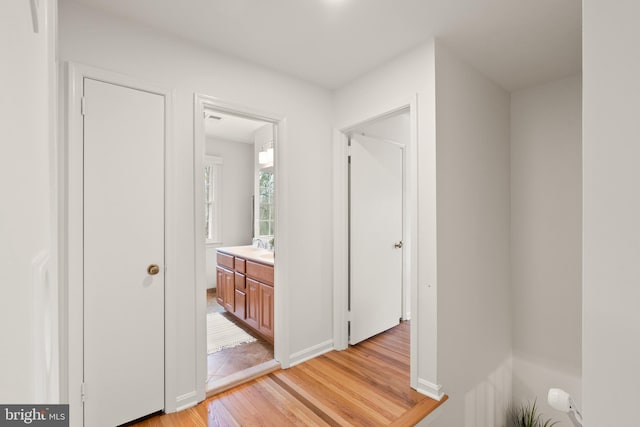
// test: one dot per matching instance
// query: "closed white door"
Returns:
(376, 205)
(124, 140)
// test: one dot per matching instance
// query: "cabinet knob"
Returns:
(153, 269)
(398, 245)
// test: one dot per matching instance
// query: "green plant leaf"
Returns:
(527, 415)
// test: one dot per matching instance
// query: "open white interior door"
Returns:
(124, 137)
(376, 230)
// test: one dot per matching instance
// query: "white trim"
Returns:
(281, 344)
(58, 382)
(186, 401)
(427, 388)
(73, 240)
(311, 352)
(410, 238)
(44, 329)
(340, 241)
(411, 223)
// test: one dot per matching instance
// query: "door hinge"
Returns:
(83, 106)
(83, 395)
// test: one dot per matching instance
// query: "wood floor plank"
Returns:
(365, 385)
(320, 407)
(297, 412)
(219, 416)
(396, 389)
(319, 393)
(417, 413)
(357, 395)
(359, 387)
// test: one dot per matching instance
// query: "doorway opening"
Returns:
(235, 166)
(376, 226)
(376, 210)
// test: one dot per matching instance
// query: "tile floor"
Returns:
(231, 360)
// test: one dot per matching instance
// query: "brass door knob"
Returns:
(153, 269)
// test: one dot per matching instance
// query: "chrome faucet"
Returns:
(259, 243)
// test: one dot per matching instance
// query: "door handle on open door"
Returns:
(153, 269)
(398, 245)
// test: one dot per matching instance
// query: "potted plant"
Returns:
(527, 415)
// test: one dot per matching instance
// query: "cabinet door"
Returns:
(240, 281)
(220, 286)
(229, 291)
(253, 303)
(266, 310)
(240, 305)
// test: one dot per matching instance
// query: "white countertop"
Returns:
(249, 252)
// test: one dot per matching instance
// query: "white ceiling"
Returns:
(516, 43)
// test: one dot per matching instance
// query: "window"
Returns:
(266, 218)
(212, 199)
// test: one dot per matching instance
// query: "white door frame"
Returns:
(281, 343)
(410, 229)
(73, 237)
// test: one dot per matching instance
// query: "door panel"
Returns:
(123, 235)
(375, 226)
(253, 303)
(266, 312)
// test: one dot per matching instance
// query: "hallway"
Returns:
(367, 384)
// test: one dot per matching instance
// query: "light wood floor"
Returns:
(366, 385)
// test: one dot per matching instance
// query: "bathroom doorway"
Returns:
(237, 236)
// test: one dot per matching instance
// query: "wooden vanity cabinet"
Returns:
(253, 304)
(225, 285)
(261, 296)
(266, 310)
(245, 289)
(240, 305)
(225, 281)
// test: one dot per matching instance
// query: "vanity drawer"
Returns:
(260, 272)
(225, 260)
(240, 281)
(240, 265)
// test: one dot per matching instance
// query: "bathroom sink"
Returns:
(249, 252)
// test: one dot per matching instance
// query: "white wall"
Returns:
(393, 84)
(237, 190)
(611, 227)
(474, 318)
(96, 39)
(26, 186)
(546, 241)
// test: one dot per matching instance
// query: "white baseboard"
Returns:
(427, 388)
(186, 401)
(311, 352)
